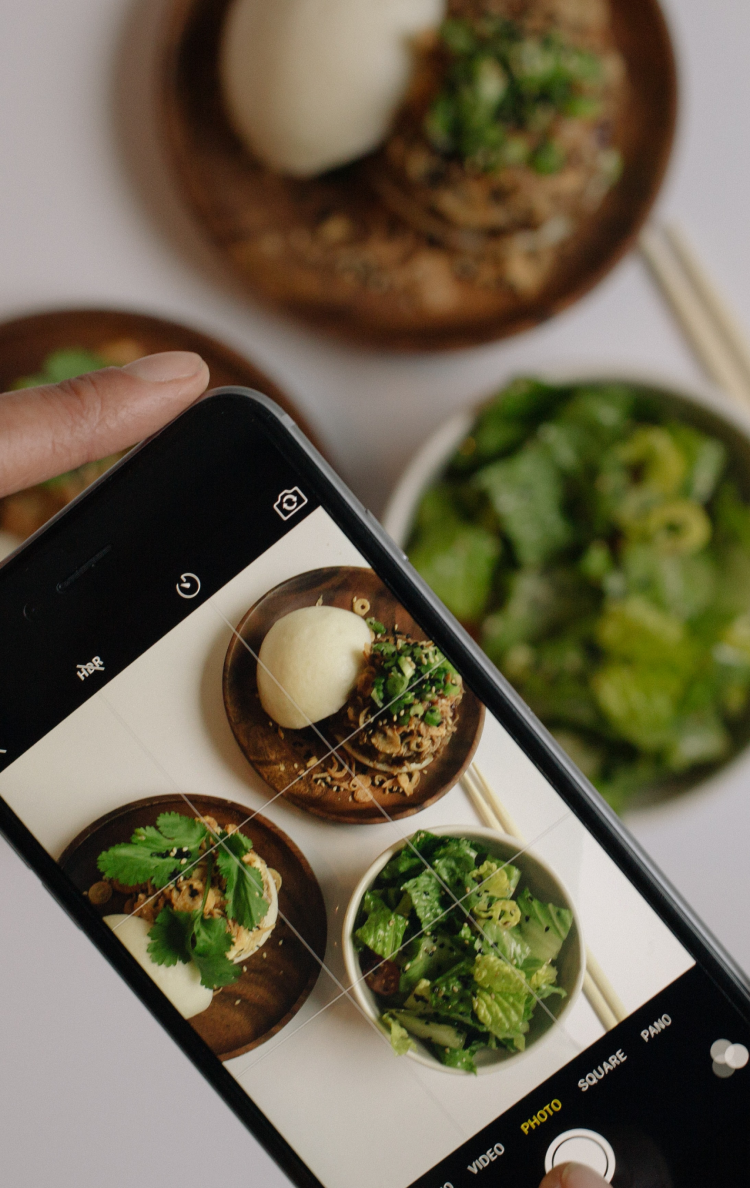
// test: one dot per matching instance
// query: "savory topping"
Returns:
(600, 549)
(506, 93)
(403, 709)
(209, 898)
(100, 893)
(458, 952)
(309, 663)
(312, 85)
(180, 983)
(506, 144)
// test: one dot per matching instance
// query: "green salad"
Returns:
(459, 953)
(599, 549)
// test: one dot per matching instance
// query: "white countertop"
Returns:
(89, 218)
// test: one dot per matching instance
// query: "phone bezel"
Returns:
(391, 563)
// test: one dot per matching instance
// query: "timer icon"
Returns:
(188, 586)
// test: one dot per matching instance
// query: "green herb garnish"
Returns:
(502, 92)
(156, 855)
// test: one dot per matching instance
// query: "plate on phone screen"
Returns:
(278, 977)
(309, 766)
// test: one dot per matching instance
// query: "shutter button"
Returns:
(582, 1146)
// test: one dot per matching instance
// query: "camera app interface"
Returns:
(370, 904)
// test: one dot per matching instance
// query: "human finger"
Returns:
(49, 430)
(573, 1175)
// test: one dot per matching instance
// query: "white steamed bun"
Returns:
(309, 663)
(180, 983)
(313, 84)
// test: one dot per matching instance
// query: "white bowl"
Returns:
(543, 883)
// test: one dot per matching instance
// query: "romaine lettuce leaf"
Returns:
(461, 1058)
(526, 492)
(426, 895)
(442, 1034)
(458, 561)
(408, 858)
(427, 957)
(508, 943)
(383, 930)
(543, 982)
(503, 1015)
(401, 1041)
(543, 926)
(453, 863)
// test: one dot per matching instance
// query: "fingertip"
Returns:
(573, 1175)
(168, 367)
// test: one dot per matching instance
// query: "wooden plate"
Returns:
(244, 208)
(118, 336)
(274, 754)
(280, 975)
(26, 342)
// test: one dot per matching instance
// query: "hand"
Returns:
(47, 431)
(573, 1175)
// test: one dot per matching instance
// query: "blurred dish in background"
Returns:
(595, 538)
(512, 165)
(50, 347)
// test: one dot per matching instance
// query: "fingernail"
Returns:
(577, 1175)
(169, 365)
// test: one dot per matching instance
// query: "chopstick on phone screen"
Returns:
(596, 986)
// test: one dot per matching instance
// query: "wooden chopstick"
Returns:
(597, 988)
(710, 327)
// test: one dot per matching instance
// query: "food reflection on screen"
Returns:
(207, 899)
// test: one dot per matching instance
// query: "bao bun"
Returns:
(312, 84)
(309, 662)
(180, 983)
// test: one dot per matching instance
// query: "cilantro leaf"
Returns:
(213, 940)
(136, 862)
(154, 853)
(171, 937)
(244, 892)
(183, 832)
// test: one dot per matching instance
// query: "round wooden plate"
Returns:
(118, 336)
(274, 753)
(281, 974)
(26, 342)
(246, 210)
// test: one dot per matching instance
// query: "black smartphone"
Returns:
(290, 800)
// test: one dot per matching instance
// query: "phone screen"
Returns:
(377, 913)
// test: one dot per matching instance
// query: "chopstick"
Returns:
(706, 320)
(596, 986)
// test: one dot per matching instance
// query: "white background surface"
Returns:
(90, 1090)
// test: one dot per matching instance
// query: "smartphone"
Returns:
(290, 800)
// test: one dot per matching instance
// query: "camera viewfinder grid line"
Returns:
(358, 981)
(384, 812)
(323, 966)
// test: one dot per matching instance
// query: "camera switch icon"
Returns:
(289, 503)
